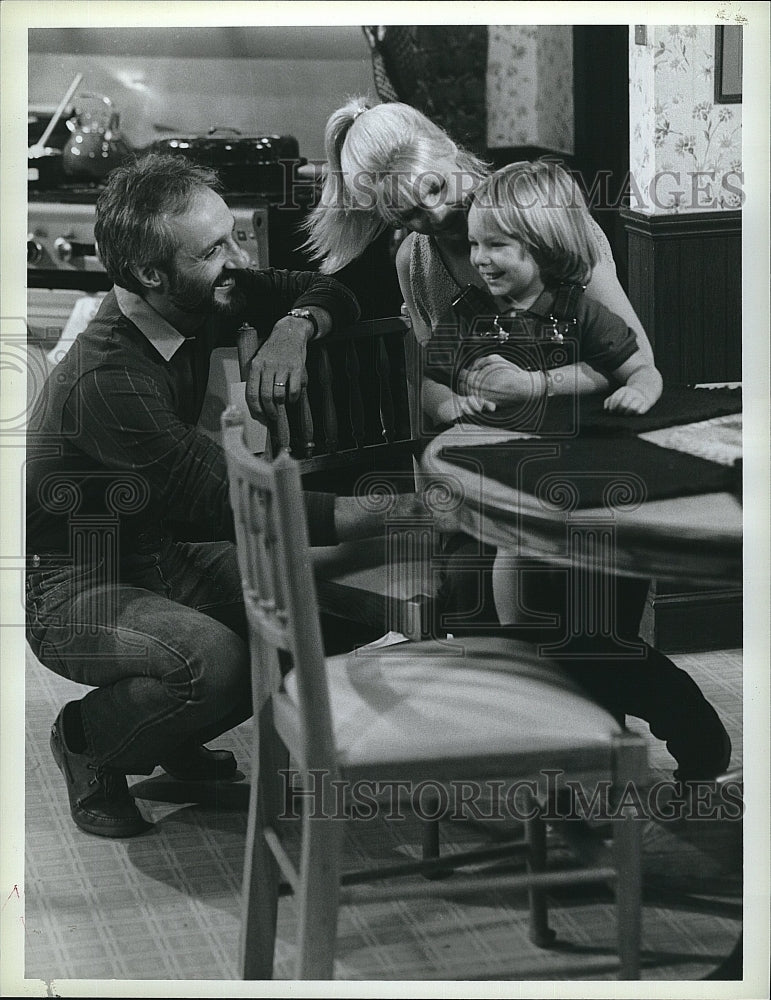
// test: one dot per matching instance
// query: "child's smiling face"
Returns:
(504, 262)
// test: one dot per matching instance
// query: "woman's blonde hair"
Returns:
(374, 152)
(539, 203)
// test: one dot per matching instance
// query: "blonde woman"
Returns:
(388, 165)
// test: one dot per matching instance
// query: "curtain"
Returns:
(439, 69)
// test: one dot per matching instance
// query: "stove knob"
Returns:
(34, 249)
(63, 249)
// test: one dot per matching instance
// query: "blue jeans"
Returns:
(164, 648)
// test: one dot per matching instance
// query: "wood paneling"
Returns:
(685, 281)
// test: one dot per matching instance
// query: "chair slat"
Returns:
(387, 414)
(356, 403)
(320, 379)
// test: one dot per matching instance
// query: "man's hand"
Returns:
(277, 372)
(354, 518)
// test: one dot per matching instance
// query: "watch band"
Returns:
(306, 314)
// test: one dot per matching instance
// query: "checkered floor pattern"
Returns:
(165, 906)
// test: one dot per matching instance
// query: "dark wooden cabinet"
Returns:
(679, 619)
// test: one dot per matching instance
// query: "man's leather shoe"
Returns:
(100, 801)
(197, 763)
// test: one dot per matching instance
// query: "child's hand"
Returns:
(500, 381)
(456, 407)
(628, 400)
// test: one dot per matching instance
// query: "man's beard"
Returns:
(200, 298)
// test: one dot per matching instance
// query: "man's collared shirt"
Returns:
(161, 334)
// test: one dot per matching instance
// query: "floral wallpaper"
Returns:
(685, 150)
(530, 86)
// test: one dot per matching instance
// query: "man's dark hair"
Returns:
(132, 213)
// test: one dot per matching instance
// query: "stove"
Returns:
(63, 265)
(60, 237)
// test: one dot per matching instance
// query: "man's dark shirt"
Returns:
(112, 437)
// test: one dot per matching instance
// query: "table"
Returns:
(695, 536)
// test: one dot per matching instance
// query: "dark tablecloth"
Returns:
(594, 451)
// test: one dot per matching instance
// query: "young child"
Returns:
(532, 243)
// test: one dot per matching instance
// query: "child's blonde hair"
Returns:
(374, 152)
(540, 203)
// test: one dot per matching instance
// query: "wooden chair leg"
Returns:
(261, 876)
(430, 839)
(535, 836)
(627, 853)
(318, 895)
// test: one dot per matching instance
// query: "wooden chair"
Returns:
(354, 430)
(355, 417)
(418, 711)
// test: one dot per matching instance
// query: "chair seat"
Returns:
(439, 701)
(361, 581)
(363, 565)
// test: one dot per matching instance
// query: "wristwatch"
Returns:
(306, 314)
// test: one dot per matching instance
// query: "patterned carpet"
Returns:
(165, 906)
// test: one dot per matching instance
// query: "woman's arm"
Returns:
(605, 287)
(433, 399)
(443, 406)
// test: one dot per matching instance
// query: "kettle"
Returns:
(96, 144)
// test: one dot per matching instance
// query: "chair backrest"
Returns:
(356, 415)
(278, 585)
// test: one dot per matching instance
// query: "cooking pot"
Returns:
(247, 163)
